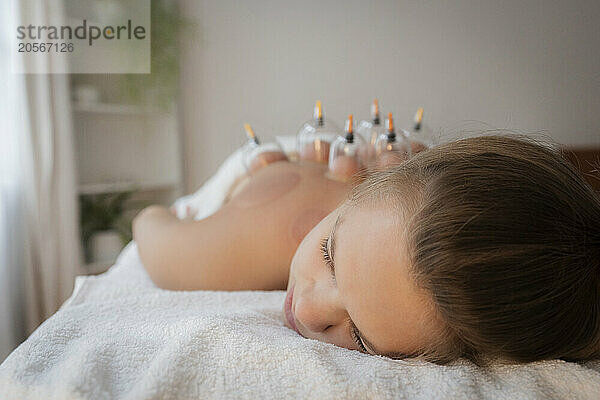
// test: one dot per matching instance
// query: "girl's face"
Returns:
(350, 285)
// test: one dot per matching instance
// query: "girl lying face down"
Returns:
(485, 248)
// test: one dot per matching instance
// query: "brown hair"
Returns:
(505, 237)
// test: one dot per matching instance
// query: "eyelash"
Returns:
(355, 337)
(326, 256)
(329, 263)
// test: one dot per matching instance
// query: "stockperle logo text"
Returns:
(84, 31)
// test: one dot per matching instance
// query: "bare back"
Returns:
(248, 244)
(278, 206)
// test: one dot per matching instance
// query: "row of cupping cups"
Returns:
(371, 145)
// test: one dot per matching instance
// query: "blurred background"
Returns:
(83, 153)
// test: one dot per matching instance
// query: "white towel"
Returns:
(120, 337)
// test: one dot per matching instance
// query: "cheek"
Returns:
(302, 262)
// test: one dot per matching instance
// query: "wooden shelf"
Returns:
(117, 187)
(117, 109)
(110, 187)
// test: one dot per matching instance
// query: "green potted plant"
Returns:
(103, 228)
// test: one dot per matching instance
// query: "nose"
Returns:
(319, 308)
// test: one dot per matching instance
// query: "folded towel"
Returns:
(120, 337)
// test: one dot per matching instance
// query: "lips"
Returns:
(289, 314)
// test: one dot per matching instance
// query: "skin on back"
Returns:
(248, 244)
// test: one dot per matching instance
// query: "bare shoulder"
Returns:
(283, 179)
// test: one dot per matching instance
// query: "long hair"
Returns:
(504, 235)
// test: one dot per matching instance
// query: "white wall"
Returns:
(525, 65)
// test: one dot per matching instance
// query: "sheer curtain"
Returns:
(39, 247)
(12, 324)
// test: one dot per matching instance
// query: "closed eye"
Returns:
(326, 255)
(356, 336)
(352, 329)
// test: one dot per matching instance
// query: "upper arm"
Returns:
(225, 251)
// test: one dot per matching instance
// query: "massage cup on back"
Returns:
(347, 154)
(314, 138)
(391, 148)
(420, 136)
(256, 155)
(370, 131)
